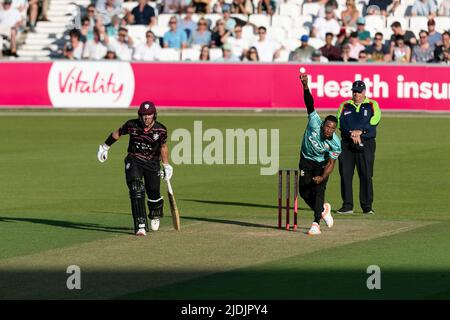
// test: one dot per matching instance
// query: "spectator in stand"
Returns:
(381, 4)
(392, 8)
(187, 24)
(171, 6)
(446, 56)
(267, 50)
(424, 8)
(242, 7)
(350, 15)
(329, 51)
(408, 36)
(113, 29)
(230, 23)
(201, 36)
(239, 45)
(324, 25)
(10, 21)
(266, 6)
(341, 38)
(363, 34)
(400, 52)
(204, 54)
(73, 48)
(378, 52)
(345, 54)
(444, 8)
(91, 14)
(363, 57)
(175, 37)
(434, 37)
(355, 45)
(217, 7)
(317, 57)
(94, 49)
(33, 10)
(106, 10)
(251, 55)
(304, 52)
(423, 52)
(85, 30)
(440, 49)
(148, 51)
(202, 6)
(227, 55)
(111, 54)
(122, 45)
(326, 4)
(219, 35)
(142, 14)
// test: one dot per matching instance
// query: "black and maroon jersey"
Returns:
(144, 145)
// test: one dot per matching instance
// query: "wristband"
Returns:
(110, 140)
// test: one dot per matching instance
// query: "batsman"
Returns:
(147, 146)
(319, 151)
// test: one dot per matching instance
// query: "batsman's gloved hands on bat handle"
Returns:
(102, 154)
(168, 171)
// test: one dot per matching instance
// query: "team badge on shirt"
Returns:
(155, 136)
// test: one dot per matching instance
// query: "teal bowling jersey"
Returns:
(314, 146)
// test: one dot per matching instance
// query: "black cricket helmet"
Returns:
(147, 107)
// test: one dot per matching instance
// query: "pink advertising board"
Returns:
(64, 84)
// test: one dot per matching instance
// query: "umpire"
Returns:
(358, 119)
(146, 148)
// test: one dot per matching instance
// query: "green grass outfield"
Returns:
(59, 207)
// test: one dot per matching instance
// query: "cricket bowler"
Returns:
(146, 148)
(319, 151)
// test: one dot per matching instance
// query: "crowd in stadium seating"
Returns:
(214, 30)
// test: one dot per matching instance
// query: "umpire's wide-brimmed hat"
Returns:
(358, 86)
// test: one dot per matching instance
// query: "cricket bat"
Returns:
(173, 207)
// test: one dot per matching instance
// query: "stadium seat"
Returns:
(260, 20)
(297, 32)
(163, 19)
(311, 8)
(284, 56)
(303, 22)
(400, 11)
(195, 17)
(276, 33)
(137, 31)
(242, 17)
(248, 34)
(316, 42)
(290, 9)
(215, 53)
(442, 23)
(404, 21)
(291, 43)
(129, 5)
(169, 54)
(375, 23)
(212, 18)
(159, 31)
(190, 54)
(280, 21)
(418, 23)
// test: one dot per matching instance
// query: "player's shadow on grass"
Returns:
(68, 224)
(233, 222)
(243, 204)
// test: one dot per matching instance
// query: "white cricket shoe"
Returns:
(326, 215)
(141, 232)
(315, 229)
(154, 224)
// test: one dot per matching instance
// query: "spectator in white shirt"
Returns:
(267, 50)
(148, 51)
(122, 45)
(355, 45)
(94, 49)
(74, 48)
(10, 21)
(239, 45)
(322, 26)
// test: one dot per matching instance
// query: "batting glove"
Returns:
(168, 171)
(102, 154)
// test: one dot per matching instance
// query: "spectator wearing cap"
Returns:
(171, 6)
(434, 37)
(440, 49)
(317, 57)
(238, 44)
(227, 54)
(148, 51)
(408, 36)
(242, 7)
(330, 51)
(142, 14)
(122, 45)
(358, 119)
(201, 36)
(324, 25)
(355, 45)
(94, 49)
(304, 52)
(363, 34)
(423, 52)
(350, 15)
(424, 8)
(345, 54)
(378, 51)
(268, 50)
(175, 38)
(10, 21)
(74, 48)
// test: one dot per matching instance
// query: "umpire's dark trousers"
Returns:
(312, 193)
(363, 158)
